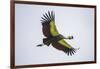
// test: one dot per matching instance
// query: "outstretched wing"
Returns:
(48, 24)
(64, 46)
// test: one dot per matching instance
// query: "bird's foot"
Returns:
(40, 45)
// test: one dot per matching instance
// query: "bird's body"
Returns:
(52, 35)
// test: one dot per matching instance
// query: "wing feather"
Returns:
(65, 47)
(45, 20)
(48, 24)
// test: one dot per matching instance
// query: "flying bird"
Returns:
(52, 35)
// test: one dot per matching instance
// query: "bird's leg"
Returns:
(40, 45)
(46, 43)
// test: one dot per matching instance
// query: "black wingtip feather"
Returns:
(47, 17)
(70, 51)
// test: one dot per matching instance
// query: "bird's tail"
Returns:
(46, 41)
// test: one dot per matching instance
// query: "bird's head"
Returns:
(68, 37)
